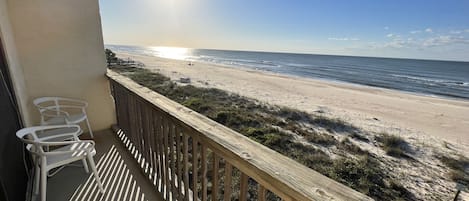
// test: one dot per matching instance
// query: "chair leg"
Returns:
(89, 127)
(43, 182)
(95, 172)
(37, 176)
(85, 166)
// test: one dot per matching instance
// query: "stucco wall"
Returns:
(60, 49)
(8, 41)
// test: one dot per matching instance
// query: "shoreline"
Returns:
(325, 80)
(373, 108)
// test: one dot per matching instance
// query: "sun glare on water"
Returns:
(178, 53)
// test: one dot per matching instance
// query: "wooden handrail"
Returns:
(172, 140)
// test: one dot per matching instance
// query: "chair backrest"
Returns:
(33, 135)
(42, 100)
(44, 103)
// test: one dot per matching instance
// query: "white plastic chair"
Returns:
(49, 151)
(59, 111)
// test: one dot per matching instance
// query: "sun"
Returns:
(178, 53)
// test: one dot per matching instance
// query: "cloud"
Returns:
(344, 39)
(397, 41)
(393, 35)
(415, 32)
(428, 30)
(444, 40)
(386, 28)
(455, 32)
(467, 30)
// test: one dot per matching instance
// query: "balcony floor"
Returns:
(120, 173)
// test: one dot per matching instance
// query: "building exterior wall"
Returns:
(60, 50)
(16, 71)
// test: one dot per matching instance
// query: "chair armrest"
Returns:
(73, 106)
(54, 137)
(61, 143)
(45, 111)
(76, 101)
(77, 146)
(53, 133)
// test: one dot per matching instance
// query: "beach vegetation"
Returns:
(394, 145)
(320, 138)
(358, 136)
(274, 127)
(459, 168)
(110, 56)
(366, 176)
(350, 147)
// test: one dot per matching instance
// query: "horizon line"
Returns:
(303, 53)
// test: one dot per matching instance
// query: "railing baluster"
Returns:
(204, 171)
(195, 169)
(146, 140)
(178, 163)
(131, 126)
(137, 129)
(149, 142)
(243, 187)
(172, 158)
(228, 181)
(261, 193)
(151, 130)
(186, 165)
(216, 162)
(161, 153)
(157, 141)
(166, 158)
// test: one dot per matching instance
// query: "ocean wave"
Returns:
(432, 80)
(240, 62)
(296, 65)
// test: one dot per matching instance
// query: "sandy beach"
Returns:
(371, 108)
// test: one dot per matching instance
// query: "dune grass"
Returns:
(273, 126)
(393, 145)
(459, 168)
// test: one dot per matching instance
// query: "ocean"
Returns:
(427, 77)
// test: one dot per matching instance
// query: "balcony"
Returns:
(160, 150)
(117, 168)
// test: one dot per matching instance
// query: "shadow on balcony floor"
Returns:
(119, 172)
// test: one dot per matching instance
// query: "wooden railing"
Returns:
(187, 156)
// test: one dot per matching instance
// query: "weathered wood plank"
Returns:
(195, 168)
(150, 142)
(146, 139)
(243, 187)
(215, 168)
(228, 181)
(157, 141)
(186, 165)
(261, 193)
(172, 160)
(203, 163)
(178, 163)
(166, 158)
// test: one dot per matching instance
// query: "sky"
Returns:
(423, 29)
